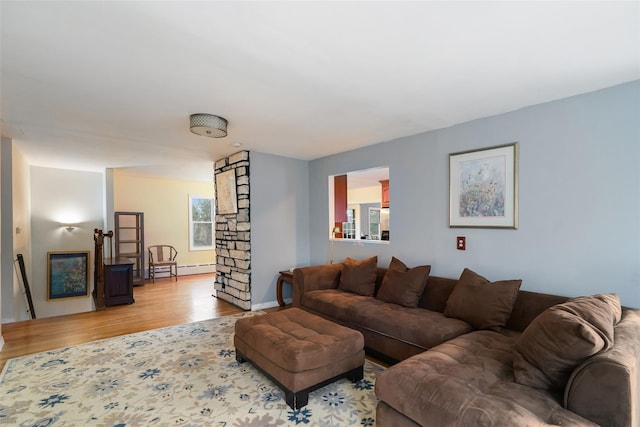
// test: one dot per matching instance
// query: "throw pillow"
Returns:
(402, 285)
(562, 337)
(480, 303)
(396, 264)
(359, 277)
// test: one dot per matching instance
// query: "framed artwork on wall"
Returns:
(483, 187)
(226, 192)
(67, 274)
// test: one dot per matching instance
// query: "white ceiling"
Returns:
(88, 85)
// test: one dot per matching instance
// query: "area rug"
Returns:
(184, 375)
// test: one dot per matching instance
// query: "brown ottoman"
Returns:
(299, 351)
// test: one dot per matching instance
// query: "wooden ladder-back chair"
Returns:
(161, 256)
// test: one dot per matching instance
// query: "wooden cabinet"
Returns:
(339, 204)
(129, 241)
(118, 281)
(385, 193)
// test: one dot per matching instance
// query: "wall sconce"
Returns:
(69, 227)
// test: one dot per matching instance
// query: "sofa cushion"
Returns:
(468, 381)
(403, 285)
(359, 277)
(332, 303)
(482, 304)
(562, 337)
(404, 324)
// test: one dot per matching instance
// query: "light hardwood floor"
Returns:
(165, 303)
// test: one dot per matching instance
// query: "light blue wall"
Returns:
(579, 198)
(279, 222)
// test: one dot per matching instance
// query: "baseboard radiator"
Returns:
(184, 270)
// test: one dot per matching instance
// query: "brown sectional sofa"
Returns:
(452, 374)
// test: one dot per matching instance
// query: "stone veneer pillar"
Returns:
(233, 237)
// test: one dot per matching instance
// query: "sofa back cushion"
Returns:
(436, 293)
(528, 306)
(403, 285)
(359, 277)
(380, 273)
(482, 304)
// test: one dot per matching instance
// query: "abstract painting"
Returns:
(483, 188)
(67, 274)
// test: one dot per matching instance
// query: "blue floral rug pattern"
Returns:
(184, 375)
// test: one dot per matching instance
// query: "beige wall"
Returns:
(16, 209)
(21, 227)
(1, 338)
(52, 206)
(165, 204)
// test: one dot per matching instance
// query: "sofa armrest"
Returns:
(604, 389)
(312, 278)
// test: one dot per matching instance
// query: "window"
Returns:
(374, 223)
(200, 223)
(349, 227)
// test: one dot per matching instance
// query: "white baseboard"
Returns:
(184, 270)
(269, 304)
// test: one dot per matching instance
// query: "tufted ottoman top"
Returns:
(298, 341)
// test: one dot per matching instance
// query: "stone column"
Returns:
(233, 237)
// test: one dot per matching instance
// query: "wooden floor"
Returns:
(165, 303)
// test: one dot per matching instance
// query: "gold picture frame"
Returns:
(67, 274)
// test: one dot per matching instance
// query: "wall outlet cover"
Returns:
(461, 243)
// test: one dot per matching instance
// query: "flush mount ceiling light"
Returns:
(208, 125)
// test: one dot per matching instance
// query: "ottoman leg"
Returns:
(356, 374)
(296, 400)
(239, 357)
